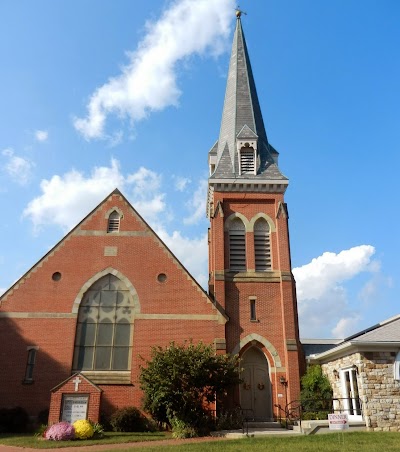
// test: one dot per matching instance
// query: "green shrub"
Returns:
(181, 429)
(180, 380)
(130, 419)
(98, 430)
(43, 417)
(314, 415)
(316, 394)
(13, 420)
(229, 420)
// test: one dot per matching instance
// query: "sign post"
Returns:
(338, 422)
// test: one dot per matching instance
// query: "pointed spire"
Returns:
(241, 118)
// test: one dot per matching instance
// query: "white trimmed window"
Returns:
(396, 367)
(113, 222)
(237, 245)
(103, 333)
(262, 245)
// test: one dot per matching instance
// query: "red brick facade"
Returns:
(42, 313)
(275, 332)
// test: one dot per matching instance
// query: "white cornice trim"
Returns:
(249, 181)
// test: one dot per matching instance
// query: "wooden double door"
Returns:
(255, 390)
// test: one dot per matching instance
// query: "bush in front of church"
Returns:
(13, 420)
(130, 419)
(83, 429)
(62, 431)
(181, 384)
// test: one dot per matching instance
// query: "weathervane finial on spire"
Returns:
(239, 12)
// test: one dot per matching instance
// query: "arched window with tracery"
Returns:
(237, 245)
(113, 222)
(103, 334)
(262, 245)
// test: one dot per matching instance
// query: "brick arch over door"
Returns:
(256, 337)
(97, 276)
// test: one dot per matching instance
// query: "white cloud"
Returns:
(2, 290)
(346, 326)
(197, 204)
(321, 291)
(18, 168)
(181, 182)
(66, 199)
(41, 135)
(149, 82)
(193, 253)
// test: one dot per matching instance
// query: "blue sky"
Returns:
(100, 94)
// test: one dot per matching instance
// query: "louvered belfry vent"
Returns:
(237, 246)
(247, 161)
(262, 246)
(113, 222)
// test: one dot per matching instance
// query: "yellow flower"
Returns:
(83, 429)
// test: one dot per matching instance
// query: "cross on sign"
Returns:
(77, 381)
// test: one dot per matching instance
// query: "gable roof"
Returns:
(382, 336)
(220, 311)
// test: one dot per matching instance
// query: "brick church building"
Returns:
(80, 319)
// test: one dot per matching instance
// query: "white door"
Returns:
(351, 400)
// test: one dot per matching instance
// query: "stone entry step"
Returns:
(262, 424)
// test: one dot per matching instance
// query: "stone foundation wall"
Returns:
(378, 391)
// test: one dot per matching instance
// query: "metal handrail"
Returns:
(246, 418)
(295, 409)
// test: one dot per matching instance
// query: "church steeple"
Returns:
(250, 273)
(242, 150)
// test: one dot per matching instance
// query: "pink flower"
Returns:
(63, 431)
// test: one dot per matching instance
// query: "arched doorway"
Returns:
(255, 391)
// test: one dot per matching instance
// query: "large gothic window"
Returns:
(103, 335)
(262, 245)
(237, 245)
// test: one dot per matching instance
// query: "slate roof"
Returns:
(242, 115)
(387, 331)
(383, 334)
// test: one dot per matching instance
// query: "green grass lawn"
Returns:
(335, 442)
(109, 438)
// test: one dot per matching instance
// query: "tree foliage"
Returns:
(316, 391)
(179, 380)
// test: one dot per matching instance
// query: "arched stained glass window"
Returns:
(237, 245)
(262, 245)
(103, 334)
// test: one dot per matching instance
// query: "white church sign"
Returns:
(74, 408)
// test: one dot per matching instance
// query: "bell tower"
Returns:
(249, 252)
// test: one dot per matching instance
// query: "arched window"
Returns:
(113, 222)
(103, 334)
(237, 245)
(262, 245)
